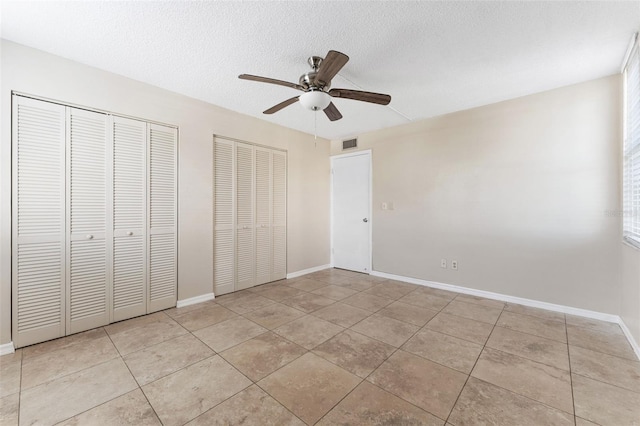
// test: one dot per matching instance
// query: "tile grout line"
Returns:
(66, 375)
(341, 399)
(311, 351)
(530, 360)
(20, 386)
(566, 334)
(112, 399)
(215, 353)
(605, 353)
(382, 363)
(242, 390)
(361, 379)
(606, 383)
(256, 382)
(473, 368)
(275, 399)
(531, 334)
(134, 378)
(514, 392)
(281, 367)
(573, 399)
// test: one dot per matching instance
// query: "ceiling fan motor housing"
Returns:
(307, 79)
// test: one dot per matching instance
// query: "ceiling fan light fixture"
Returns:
(315, 100)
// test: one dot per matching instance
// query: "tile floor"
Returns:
(332, 347)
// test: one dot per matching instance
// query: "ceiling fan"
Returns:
(316, 83)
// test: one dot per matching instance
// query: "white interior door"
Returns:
(351, 211)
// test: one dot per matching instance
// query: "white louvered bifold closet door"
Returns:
(245, 252)
(38, 226)
(88, 253)
(279, 216)
(163, 225)
(263, 215)
(223, 217)
(129, 218)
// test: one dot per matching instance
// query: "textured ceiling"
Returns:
(431, 57)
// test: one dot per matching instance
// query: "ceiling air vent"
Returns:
(350, 143)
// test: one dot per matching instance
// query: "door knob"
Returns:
(365, 220)
(130, 233)
(89, 237)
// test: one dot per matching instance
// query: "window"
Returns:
(631, 167)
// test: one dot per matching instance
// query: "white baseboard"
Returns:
(193, 300)
(307, 271)
(7, 349)
(632, 341)
(521, 301)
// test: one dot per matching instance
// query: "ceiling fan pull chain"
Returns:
(315, 129)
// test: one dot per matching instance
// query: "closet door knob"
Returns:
(89, 237)
(130, 233)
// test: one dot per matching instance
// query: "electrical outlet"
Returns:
(454, 264)
(443, 263)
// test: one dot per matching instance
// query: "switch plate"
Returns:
(443, 263)
(384, 206)
(390, 205)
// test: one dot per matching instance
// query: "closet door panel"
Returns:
(245, 251)
(129, 218)
(279, 212)
(263, 214)
(223, 217)
(162, 277)
(88, 275)
(129, 283)
(162, 209)
(38, 227)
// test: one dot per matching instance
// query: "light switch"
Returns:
(384, 206)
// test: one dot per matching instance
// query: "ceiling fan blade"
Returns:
(281, 105)
(330, 66)
(270, 80)
(358, 95)
(332, 112)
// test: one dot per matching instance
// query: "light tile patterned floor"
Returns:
(332, 347)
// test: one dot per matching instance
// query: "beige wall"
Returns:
(35, 72)
(517, 192)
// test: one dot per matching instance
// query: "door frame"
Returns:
(369, 154)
